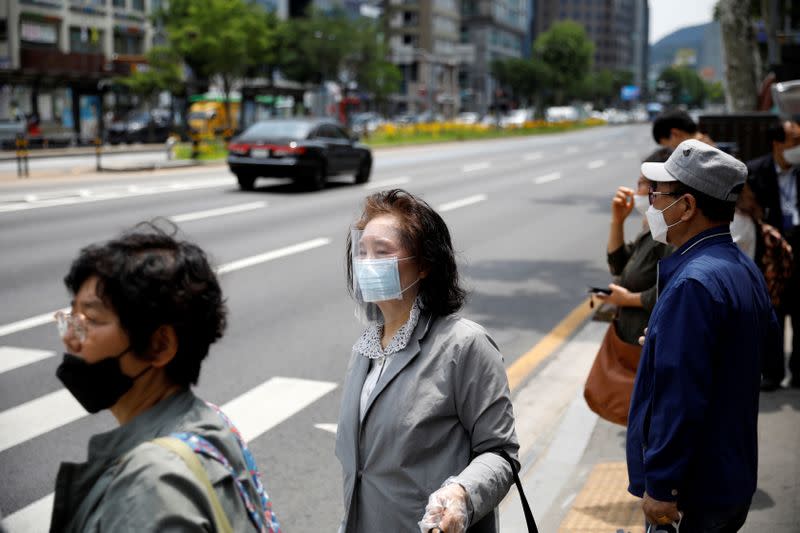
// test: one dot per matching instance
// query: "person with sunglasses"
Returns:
(145, 309)
(692, 450)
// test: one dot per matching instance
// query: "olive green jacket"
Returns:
(131, 485)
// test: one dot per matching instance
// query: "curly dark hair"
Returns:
(150, 279)
(426, 236)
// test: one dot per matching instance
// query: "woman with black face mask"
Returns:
(145, 309)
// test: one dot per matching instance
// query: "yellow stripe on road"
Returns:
(519, 371)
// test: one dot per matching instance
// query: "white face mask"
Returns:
(792, 155)
(641, 204)
(743, 231)
(657, 223)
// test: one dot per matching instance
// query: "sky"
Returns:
(667, 16)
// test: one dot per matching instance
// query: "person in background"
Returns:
(426, 410)
(673, 127)
(692, 446)
(773, 256)
(610, 381)
(775, 180)
(635, 262)
(145, 309)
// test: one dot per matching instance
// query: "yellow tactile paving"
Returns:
(604, 504)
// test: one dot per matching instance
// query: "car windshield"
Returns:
(283, 129)
(199, 115)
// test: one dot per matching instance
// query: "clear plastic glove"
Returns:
(446, 510)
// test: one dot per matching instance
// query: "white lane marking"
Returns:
(285, 397)
(387, 183)
(45, 318)
(36, 417)
(33, 518)
(483, 165)
(330, 428)
(12, 357)
(596, 164)
(275, 254)
(464, 202)
(29, 323)
(208, 213)
(532, 157)
(74, 197)
(547, 178)
(571, 150)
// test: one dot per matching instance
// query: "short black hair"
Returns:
(150, 279)
(713, 209)
(776, 133)
(672, 119)
(426, 236)
(659, 155)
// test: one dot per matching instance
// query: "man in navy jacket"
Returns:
(692, 445)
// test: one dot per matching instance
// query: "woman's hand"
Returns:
(621, 205)
(620, 296)
(446, 510)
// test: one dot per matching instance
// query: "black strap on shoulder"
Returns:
(525, 507)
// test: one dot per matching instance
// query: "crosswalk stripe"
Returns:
(36, 417)
(12, 357)
(254, 413)
(45, 318)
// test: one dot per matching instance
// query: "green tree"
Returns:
(316, 46)
(684, 85)
(220, 38)
(567, 52)
(367, 63)
(525, 78)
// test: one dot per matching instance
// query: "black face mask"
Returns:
(96, 386)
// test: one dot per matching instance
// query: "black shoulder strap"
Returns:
(525, 507)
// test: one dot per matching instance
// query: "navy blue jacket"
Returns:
(692, 427)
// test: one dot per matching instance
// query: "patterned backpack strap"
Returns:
(201, 446)
(271, 524)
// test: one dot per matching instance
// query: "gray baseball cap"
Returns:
(702, 167)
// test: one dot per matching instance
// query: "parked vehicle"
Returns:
(516, 118)
(467, 117)
(141, 126)
(561, 114)
(366, 123)
(307, 150)
(210, 117)
(10, 128)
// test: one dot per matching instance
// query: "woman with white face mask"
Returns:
(634, 264)
(426, 433)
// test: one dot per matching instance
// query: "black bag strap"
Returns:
(525, 507)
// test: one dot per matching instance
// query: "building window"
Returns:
(128, 43)
(3, 30)
(119, 3)
(38, 33)
(137, 5)
(84, 40)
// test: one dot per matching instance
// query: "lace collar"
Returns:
(369, 344)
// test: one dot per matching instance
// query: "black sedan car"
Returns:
(307, 150)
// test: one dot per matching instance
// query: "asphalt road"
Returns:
(529, 218)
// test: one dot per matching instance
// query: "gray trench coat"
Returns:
(441, 404)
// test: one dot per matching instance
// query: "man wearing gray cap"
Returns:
(692, 432)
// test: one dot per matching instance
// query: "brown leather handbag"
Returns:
(609, 386)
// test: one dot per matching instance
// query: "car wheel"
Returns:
(364, 170)
(246, 182)
(319, 178)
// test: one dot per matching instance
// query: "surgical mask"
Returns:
(658, 225)
(641, 203)
(743, 231)
(96, 386)
(792, 155)
(379, 279)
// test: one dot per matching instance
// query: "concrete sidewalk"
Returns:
(574, 473)
(77, 151)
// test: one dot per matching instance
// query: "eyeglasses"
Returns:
(651, 195)
(65, 321)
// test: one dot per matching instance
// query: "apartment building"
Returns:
(57, 57)
(498, 29)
